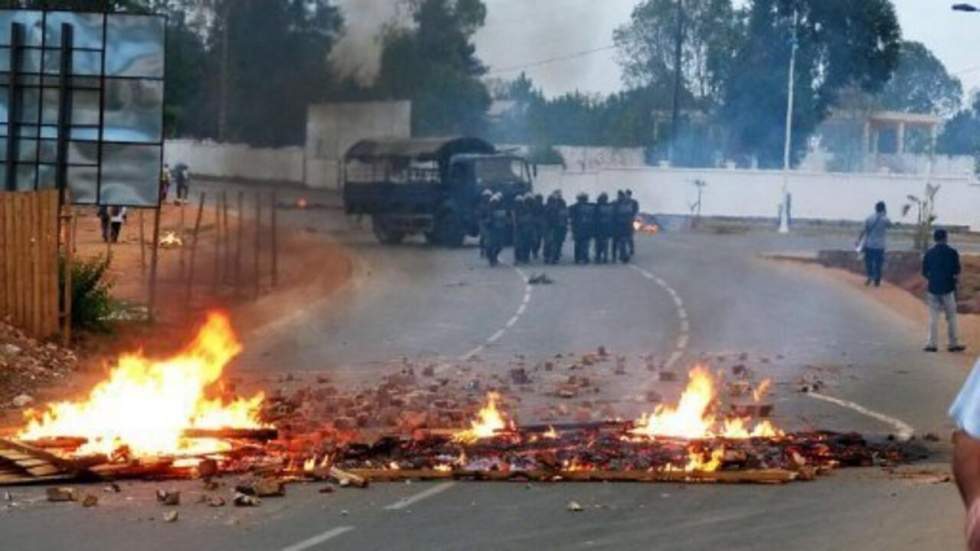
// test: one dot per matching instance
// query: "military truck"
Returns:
(428, 186)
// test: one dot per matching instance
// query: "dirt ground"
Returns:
(217, 285)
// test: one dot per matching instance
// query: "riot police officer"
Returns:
(635, 205)
(623, 228)
(523, 218)
(605, 216)
(583, 227)
(539, 226)
(556, 218)
(498, 224)
(483, 220)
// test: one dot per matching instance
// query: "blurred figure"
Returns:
(483, 220)
(605, 220)
(636, 212)
(539, 225)
(164, 183)
(965, 412)
(583, 227)
(873, 242)
(622, 228)
(523, 228)
(117, 217)
(182, 175)
(556, 217)
(941, 266)
(103, 215)
(498, 224)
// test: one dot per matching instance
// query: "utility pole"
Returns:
(678, 59)
(223, 82)
(787, 146)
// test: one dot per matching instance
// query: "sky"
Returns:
(520, 33)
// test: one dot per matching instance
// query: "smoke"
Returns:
(358, 53)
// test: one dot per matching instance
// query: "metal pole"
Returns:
(787, 146)
(678, 58)
(14, 103)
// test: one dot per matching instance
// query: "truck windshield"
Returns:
(500, 171)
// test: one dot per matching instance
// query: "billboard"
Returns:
(81, 104)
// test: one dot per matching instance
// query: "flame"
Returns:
(490, 421)
(760, 392)
(170, 240)
(145, 405)
(309, 465)
(550, 434)
(696, 462)
(640, 226)
(692, 418)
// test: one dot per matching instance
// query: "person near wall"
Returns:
(164, 183)
(941, 267)
(117, 217)
(873, 242)
(104, 220)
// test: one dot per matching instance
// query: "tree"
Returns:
(921, 84)
(841, 44)
(647, 45)
(434, 64)
(961, 135)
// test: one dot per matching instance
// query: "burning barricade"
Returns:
(168, 418)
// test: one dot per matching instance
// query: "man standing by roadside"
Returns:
(873, 241)
(941, 266)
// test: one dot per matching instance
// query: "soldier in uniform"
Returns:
(636, 212)
(523, 228)
(556, 218)
(498, 224)
(539, 225)
(605, 219)
(583, 227)
(483, 220)
(623, 229)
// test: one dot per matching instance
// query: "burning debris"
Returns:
(171, 240)
(166, 419)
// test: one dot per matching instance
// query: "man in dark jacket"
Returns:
(539, 225)
(623, 230)
(523, 228)
(556, 216)
(583, 227)
(498, 225)
(636, 212)
(941, 266)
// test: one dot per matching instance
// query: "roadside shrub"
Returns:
(91, 302)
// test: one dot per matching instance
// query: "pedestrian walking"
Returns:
(182, 176)
(498, 224)
(117, 217)
(873, 242)
(557, 217)
(103, 215)
(632, 231)
(941, 267)
(605, 220)
(622, 228)
(583, 227)
(164, 183)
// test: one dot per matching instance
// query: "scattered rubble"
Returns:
(26, 364)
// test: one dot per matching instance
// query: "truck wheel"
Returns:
(384, 233)
(449, 230)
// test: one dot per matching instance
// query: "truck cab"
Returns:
(430, 187)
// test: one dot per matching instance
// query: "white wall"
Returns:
(757, 193)
(217, 160)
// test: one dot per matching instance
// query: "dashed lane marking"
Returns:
(411, 500)
(317, 540)
(514, 320)
(683, 336)
(903, 430)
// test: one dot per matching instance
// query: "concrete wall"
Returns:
(332, 128)
(218, 160)
(757, 193)
(583, 159)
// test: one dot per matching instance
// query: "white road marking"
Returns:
(903, 430)
(411, 500)
(317, 540)
(683, 337)
(521, 310)
(685, 325)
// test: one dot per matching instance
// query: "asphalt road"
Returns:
(687, 297)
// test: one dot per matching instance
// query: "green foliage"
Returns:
(921, 84)
(841, 44)
(961, 135)
(91, 303)
(434, 64)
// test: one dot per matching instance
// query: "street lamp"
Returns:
(965, 7)
(787, 145)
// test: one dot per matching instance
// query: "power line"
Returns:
(551, 60)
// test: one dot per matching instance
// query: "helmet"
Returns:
(603, 197)
(496, 198)
(487, 193)
(582, 197)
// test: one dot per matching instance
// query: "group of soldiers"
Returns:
(539, 228)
